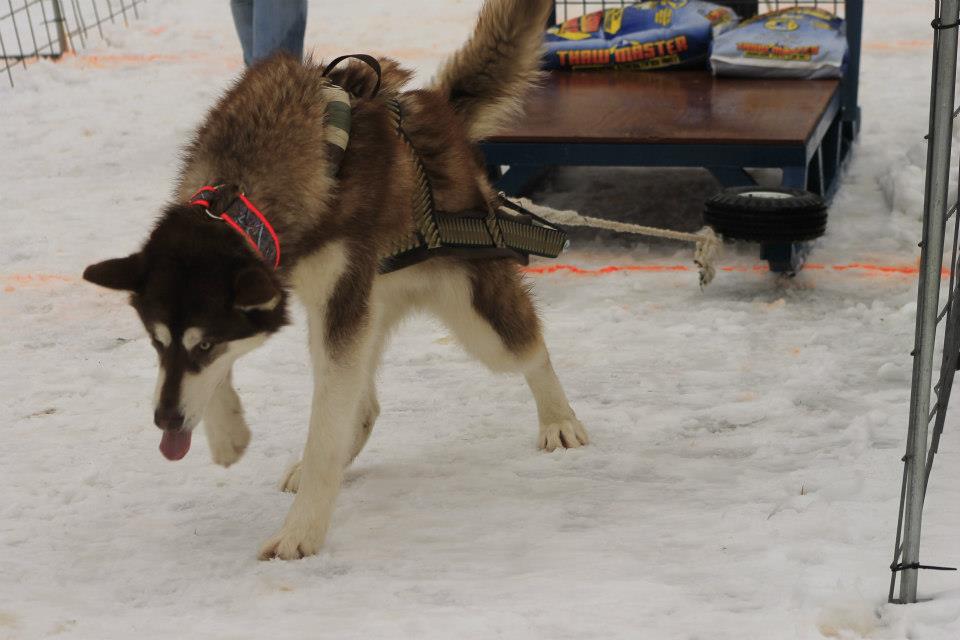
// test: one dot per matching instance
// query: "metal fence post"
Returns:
(63, 35)
(931, 261)
(853, 15)
(58, 43)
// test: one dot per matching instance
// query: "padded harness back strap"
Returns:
(423, 209)
(506, 230)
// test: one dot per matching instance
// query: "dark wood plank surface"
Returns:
(671, 107)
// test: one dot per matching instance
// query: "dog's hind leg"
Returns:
(559, 426)
(488, 309)
(223, 422)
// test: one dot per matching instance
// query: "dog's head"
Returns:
(205, 299)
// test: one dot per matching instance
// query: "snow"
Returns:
(744, 472)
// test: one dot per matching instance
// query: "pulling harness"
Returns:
(505, 229)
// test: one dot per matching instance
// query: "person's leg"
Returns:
(278, 25)
(242, 11)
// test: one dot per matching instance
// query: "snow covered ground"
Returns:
(743, 477)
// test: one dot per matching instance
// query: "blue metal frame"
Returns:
(815, 165)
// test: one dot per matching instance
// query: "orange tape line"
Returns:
(898, 45)
(877, 269)
(26, 279)
(20, 280)
(107, 60)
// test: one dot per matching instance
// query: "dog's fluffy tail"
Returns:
(487, 78)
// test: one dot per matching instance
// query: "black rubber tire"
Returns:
(767, 214)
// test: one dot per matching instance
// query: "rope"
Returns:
(708, 243)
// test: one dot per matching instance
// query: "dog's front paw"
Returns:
(291, 479)
(294, 542)
(228, 445)
(568, 434)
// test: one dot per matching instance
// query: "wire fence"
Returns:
(35, 29)
(938, 327)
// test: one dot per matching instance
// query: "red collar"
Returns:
(244, 217)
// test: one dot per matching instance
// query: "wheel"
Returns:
(767, 214)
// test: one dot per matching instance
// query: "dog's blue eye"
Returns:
(204, 346)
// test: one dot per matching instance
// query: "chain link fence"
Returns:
(35, 29)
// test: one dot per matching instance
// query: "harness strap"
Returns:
(369, 60)
(338, 122)
(493, 233)
(423, 206)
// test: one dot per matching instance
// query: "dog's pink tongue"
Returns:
(175, 444)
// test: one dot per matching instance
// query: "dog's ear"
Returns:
(254, 290)
(124, 274)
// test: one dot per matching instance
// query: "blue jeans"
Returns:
(267, 26)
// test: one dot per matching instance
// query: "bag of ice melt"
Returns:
(796, 42)
(646, 35)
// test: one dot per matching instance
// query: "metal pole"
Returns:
(16, 33)
(33, 35)
(931, 260)
(62, 35)
(853, 16)
(6, 62)
(81, 30)
(96, 16)
(46, 28)
(81, 25)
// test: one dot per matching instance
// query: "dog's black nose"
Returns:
(168, 419)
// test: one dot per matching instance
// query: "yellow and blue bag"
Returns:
(646, 35)
(798, 42)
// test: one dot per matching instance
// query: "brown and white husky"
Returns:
(206, 296)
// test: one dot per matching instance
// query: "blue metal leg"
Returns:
(815, 183)
(788, 257)
(832, 153)
(785, 257)
(518, 180)
(732, 176)
(794, 177)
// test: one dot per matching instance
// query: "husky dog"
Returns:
(206, 297)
